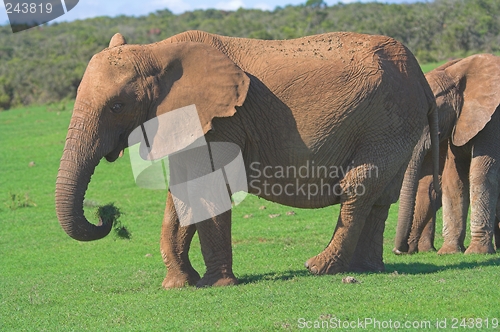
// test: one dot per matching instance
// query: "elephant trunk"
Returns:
(408, 195)
(407, 205)
(77, 165)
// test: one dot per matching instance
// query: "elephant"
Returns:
(356, 102)
(469, 118)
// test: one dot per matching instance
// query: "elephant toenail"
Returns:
(396, 251)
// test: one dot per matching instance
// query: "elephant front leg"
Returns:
(174, 244)
(215, 241)
(455, 202)
(483, 196)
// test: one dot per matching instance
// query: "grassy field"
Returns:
(49, 282)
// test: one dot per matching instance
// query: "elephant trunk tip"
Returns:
(69, 198)
(78, 228)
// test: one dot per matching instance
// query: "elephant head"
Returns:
(467, 94)
(123, 87)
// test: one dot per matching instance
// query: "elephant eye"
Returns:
(117, 107)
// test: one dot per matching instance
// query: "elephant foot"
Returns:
(497, 235)
(398, 252)
(400, 249)
(319, 264)
(367, 266)
(477, 247)
(425, 247)
(217, 279)
(179, 280)
(448, 248)
(413, 248)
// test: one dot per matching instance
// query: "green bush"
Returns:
(45, 64)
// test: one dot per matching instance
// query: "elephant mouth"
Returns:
(117, 151)
(113, 155)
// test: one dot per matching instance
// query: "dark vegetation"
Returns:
(45, 64)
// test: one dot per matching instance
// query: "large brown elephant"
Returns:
(355, 102)
(468, 98)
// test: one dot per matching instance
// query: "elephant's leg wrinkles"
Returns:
(426, 242)
(337, 255)
(483, 196)
(369, 249)
(427, 202)
(434, 201)
(174, 244)
(484, 186)
(497, 232)
(455, 201)
(423, 215)
(215, 241)
(359, 220)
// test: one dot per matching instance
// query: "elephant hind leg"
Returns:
(423, 227)
(497, 233)
(361, 188)
(369, 249)
(426, 242)
(455, 201)
(337, 255)
(368, 255)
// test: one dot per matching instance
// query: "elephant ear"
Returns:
(117, 40)
(196, 73)
(478, 78)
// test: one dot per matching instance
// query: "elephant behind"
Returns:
(468, 99)
(353, 103)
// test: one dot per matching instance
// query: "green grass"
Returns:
(430, 66)
(50, 282)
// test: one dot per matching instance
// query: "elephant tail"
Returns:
(433, 119)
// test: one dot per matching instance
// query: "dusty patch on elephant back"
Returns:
(109, 213)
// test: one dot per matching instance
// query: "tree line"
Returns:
(45, 64)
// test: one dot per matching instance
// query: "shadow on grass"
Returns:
(424, 268)
(273, 276)
(401, 268)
